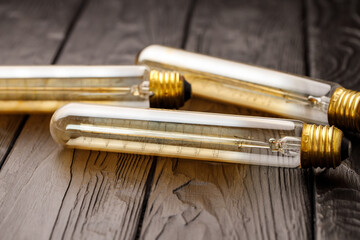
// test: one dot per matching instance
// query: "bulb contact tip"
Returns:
(170, 89)
(323, 146)
(344, 109)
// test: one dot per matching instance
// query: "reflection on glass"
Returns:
(34, 89)
(194, 135)
(275, 92)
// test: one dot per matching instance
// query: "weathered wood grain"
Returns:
(334, 55)
(104, 196)
(28, 35)
(113, 33)
(198, 200)
(31, 32)
(82, 194)
(32, 184)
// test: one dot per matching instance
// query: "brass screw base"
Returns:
(167, 89)
(344, 109)
(320, 146)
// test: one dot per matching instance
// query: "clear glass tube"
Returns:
(194, 135)
(253, 87)
(34, 89)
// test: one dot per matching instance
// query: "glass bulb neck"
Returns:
(344, 109)
(322, 146)
(169, 89)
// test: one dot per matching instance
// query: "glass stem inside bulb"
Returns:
(46, 88)
(201, 136)
(279, 102)
(287, 146)
(275, 92)
(142, 90)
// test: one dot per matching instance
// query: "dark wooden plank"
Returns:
(82, 194)
(28, 35)
(104, 196)
(334, 55)
(198, 200)
(113, 33)
(31, 31)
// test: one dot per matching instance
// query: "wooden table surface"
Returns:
(46, 192)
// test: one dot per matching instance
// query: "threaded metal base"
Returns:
(167, 89)
(320, 146)
(344, 109)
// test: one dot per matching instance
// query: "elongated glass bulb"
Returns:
(288, 95)
(37, 89)
(200, 136)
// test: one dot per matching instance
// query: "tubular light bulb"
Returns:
(200, 136)
(41, 89)
(288, 95)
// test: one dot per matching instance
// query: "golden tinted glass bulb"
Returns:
(199, 136)
(41, 89)
(283, 94)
